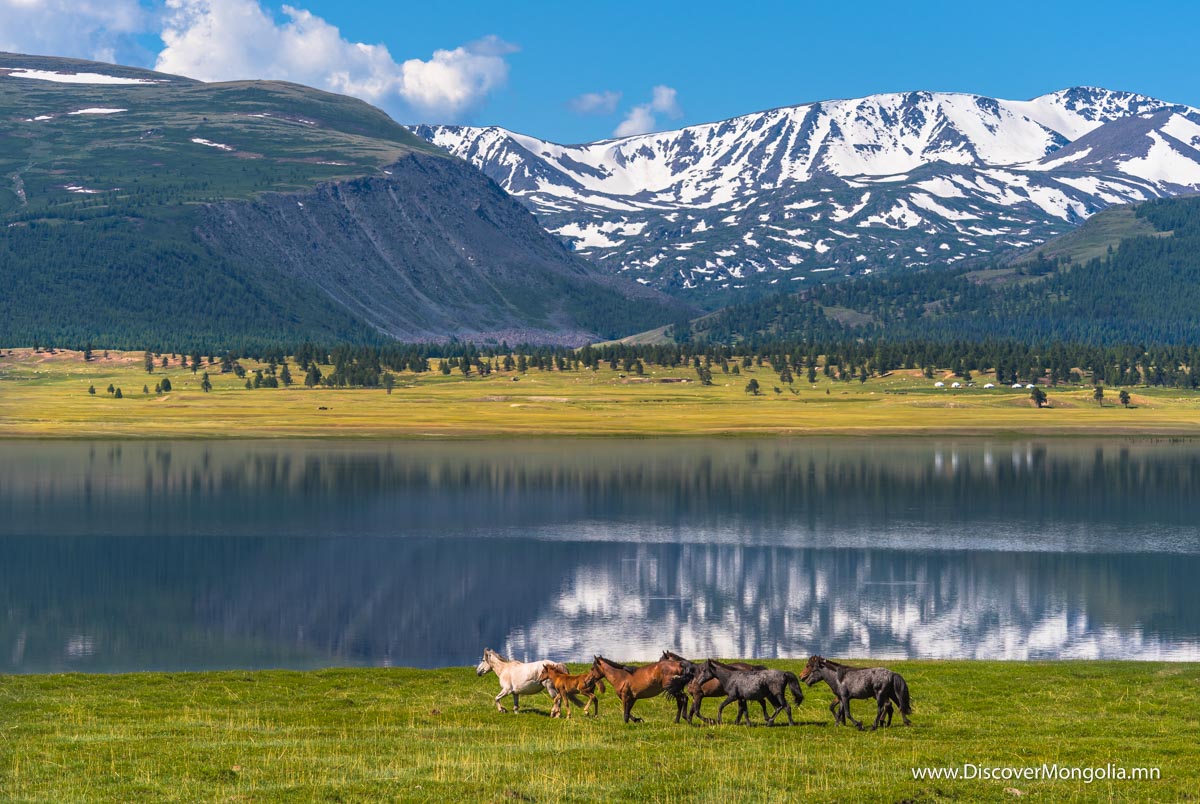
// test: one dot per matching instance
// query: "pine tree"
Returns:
(285, 376)
(752, 387)
(92, 390)
(118, 394)
(166, 385)
(1123, 398)
(148, 361)
(205, 383)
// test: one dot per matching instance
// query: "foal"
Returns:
(857, 683)
(568, 686)
(631, 684)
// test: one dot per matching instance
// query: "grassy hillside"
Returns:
(46, 395)
(1104, 230)
(174, 213)
(434, 735)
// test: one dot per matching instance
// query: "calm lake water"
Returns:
(119, 556)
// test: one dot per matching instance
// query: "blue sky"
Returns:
(521, 65)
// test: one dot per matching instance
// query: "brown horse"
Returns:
(634, 683)
(712, 688)
(569, 686)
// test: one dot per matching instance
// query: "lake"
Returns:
(155, 555)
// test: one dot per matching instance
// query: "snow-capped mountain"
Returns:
(849, 186)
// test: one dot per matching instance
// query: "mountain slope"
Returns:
(823, 190)
(139, 209)
(1128, 275)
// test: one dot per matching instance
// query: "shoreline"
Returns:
(576, 667)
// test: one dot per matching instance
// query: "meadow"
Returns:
(46, 395)
(399, 734)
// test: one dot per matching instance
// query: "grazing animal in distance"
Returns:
(754, 685)
(858, 683)
(569, 686)
(712, 688)
(517, 678)
(631, 684)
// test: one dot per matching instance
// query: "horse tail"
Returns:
(793, 684)
(559, 666)
(902, 698)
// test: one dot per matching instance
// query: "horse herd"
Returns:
(680, 679)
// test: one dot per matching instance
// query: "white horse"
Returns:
(517, 678)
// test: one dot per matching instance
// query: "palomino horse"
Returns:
(857, 683)
(517, 678)
(634, 683)
(754, 685)
(712, 687)
(569, 686)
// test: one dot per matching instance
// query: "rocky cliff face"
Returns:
(430, 249)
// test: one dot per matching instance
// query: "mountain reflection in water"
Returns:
(182, 555)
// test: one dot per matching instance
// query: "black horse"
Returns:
(857, 683)
(753, 685)
(712, 687)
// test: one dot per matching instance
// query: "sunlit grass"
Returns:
(46, 395)
(434, 735)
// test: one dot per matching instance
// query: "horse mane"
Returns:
(673, 656)
(618, 665)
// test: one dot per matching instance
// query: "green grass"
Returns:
(45, 395)
(434, 735)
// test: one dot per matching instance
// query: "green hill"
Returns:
(173, 213)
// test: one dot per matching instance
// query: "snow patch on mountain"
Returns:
(904, 173)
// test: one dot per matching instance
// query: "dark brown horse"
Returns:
(570, 686)
(634, 683)
(712, 687)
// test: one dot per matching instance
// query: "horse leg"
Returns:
(629, 702)
(880, 702)
(500, 697)
(743, 709)
(846, 713)
(696, 703)
(516, 702)
(556, 710)
(833, 710)
(724, 704)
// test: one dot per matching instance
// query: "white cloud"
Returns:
(641, 118)
(595, 102)
(103, 30)
(217, 40)
(666, 100)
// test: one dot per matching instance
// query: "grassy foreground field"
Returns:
(434, 735)
(44, 395)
